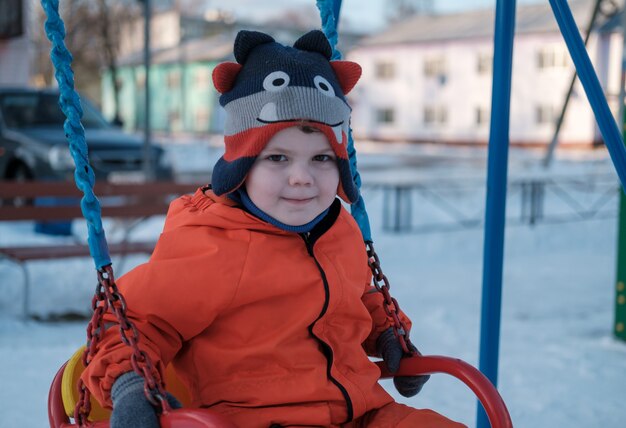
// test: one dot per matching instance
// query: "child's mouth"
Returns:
(298, 201)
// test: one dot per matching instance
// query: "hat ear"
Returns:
(314, 41)
(248, 40)
(348, 73)
(224, 76)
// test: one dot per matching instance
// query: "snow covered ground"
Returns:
(559, 364)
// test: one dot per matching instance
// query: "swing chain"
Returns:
(95, 331)
(390, 304)
(108, 297)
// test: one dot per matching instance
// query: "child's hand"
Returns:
(131, 408)
(388, 346)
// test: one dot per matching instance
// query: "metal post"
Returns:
(398, 211)
(606, 122)
(622, 86)
(183, 87)
(525, 204)
(619, 326)
(557, 129)
(493, 255)
(147, 131)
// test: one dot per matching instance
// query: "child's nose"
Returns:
(300, 175)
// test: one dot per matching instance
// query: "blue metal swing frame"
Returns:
(498, 158)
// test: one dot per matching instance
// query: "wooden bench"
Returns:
(120, 201)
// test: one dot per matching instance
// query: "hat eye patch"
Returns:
(324, 86)
(276, 81)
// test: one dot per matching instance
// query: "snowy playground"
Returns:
(559, 362)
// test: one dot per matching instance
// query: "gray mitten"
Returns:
(388, 346)
(131, 408)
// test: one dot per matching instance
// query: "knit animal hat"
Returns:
(272, 87)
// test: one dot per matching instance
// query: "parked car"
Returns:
(33, 144)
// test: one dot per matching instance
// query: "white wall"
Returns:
(165, 32)
(533, 87)
(465, 90)
(15, 57)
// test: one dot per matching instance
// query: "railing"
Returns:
(422, 205)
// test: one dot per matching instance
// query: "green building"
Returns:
(183, 99)
(185, 50)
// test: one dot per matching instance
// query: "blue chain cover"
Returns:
(69, 101)
(329, 13)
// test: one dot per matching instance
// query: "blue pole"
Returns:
(608, 128)
(496, 195)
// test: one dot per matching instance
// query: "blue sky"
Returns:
(368, 14)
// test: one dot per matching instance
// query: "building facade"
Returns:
(429, 78)
(183, 99)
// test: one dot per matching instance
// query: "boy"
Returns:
(258, 291)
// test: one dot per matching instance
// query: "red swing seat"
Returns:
(61, 400)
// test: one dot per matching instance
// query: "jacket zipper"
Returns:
(328, 352)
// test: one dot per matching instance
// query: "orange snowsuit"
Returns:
(262, 325)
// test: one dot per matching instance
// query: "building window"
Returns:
(385, 116)
(435, 115)
(482, 116)
(435, 67)
(202, 78)
(385, 70)
(11, 21)
(552, 56)
(174, 120)
(140, 78)
(545, 115)
(202, 119)
(484, 63)
(173, 79)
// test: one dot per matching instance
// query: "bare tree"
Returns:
(401, 9)
(111, 18)
(92, 36)
(41, 48)
(193, 7)
(305, 16)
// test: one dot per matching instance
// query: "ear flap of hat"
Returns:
(224, 76)
(348, 73)
(314, 41)
(248, 40)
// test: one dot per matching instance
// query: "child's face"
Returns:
(295, 177)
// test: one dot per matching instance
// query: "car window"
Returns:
(28, 110)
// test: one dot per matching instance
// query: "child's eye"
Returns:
(323, 158)
(276, 158)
